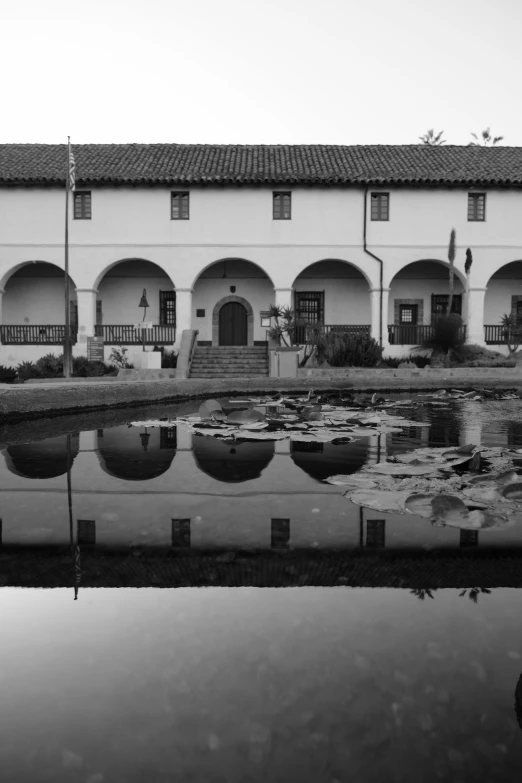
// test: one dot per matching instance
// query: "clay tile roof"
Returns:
(236, 164)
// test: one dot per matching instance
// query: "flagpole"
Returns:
(75, 549)
(67, 338)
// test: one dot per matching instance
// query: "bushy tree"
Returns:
(431, 139)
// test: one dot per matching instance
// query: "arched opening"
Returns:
(503, 297)
(321, 460)
(137, 453)
(231, 281)
(334, 293)
(33, 311)
(44, 459)
(418, 293)
(231, 463)
(118, 304)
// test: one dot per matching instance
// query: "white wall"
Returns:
(420, 281)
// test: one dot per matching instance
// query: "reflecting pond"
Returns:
(414, 680)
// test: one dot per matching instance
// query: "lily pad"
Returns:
(380, 500)
(420, 505)
(206, 408)
(245, 417)
(512, 491)
(449, 509)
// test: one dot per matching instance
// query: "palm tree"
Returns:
(485, 140)
(432, 140)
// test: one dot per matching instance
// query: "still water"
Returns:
(245, 684)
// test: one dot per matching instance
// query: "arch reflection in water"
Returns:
(44, 459)
(231, 463)
(134, 454)
(321, 460)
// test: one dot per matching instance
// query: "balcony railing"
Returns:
(34, 334)
(496, 335)
(127, 335)
(399, 334)
(302, 330)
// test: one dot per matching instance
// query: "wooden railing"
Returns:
(496, 335)
(399, 334)
(34, 334)
(301, 334)
(127, 335)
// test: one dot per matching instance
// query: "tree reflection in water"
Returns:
(232, 462)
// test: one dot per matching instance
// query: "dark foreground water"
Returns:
(242, 684)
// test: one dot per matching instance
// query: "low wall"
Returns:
(430, 375)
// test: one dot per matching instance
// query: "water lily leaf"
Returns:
(449, 509)
(483, 494)
(254, 425)
(508, 477)
(218, 415)
(312, 415)
(512, 491)
(379, 500)
(206, 408)
(468, 449)
(403, 470)
(420, 505)
(353, 482)
(245, 417)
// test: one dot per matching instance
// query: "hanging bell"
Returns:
(143, 301)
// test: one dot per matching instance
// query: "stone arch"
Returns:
(332, 291)
(413, 286)
(118, 261)
(344, 261)
(4, 279)
(229, 258)
(136, 454)
(503, 294)
(458, 274)
(250, 317)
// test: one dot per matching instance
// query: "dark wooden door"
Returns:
(233, 324)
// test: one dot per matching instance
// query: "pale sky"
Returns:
(259, 71)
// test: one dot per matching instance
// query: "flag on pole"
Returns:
(72, 170)
(77, 571)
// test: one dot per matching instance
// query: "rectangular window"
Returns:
(179, 205)
(168, 437)
(476, 206)
(408, 314)
(380, 206)
(167, 308)
(181, 533)
(282, 206)
(280, 533)
(309, 306)
(375, 533)
(86, 532)
(82, 205)
(439, 304)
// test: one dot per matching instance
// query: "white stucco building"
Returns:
(347, 236)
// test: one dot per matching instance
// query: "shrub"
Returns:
(7, 374)
(445, 338)
(50, 365)
(26, 370)
(119, 358)
(342, 349)
(416, 359)
(169, 359)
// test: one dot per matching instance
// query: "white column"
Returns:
(183, 312)
(375, 302)
(2, 292)
(475, 325)
(86, 313)
(284, 297)
(88, 440)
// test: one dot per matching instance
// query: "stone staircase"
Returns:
(229, 360)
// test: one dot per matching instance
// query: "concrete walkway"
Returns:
(21, 402)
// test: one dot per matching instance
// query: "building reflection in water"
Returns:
(44, 459)
(136, 454)
(321, 460)
(232, 463)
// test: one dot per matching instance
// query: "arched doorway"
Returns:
(233, 324)
(503, 297)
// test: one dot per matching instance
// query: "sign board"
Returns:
(142, 325)
(95, 349)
